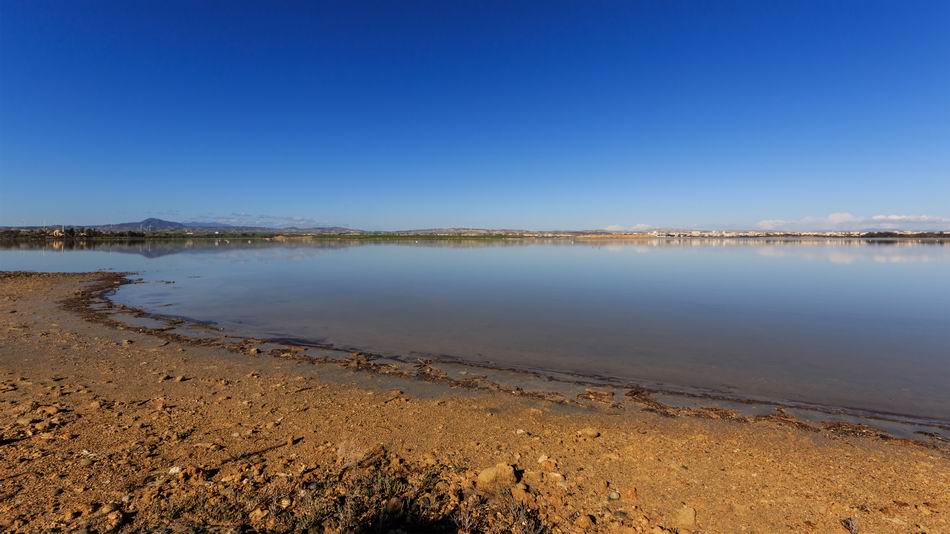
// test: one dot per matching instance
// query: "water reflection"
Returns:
(854, 323)
(846, 253)
(835, 251)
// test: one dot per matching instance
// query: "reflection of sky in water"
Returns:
(846, 323)
(845, 255)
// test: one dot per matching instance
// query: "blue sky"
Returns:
(490, 114)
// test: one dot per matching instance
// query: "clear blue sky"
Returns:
(491, 114)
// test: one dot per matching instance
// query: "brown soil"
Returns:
(111, 429)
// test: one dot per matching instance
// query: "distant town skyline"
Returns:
(542, 116)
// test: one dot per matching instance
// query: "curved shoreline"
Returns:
(95, 304)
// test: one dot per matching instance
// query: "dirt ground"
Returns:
(110, 429)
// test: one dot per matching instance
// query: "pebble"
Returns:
(613, 495)
(584, 521)
(588, 432)
(547, 464)
(685, 517)
(500, 475)
(113, 521)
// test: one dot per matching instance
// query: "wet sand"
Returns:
(116, 428)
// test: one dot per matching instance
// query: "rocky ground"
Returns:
(114, 430)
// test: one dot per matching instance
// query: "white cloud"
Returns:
(831, 221)
(634, 228)
(841, 217)
(844, 220)
(911, 218)
(773, 224)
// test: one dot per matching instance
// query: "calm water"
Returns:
(853, 324)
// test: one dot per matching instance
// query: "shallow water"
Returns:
(857, 324)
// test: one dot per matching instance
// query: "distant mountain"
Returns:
(160, 225)
(148, 225)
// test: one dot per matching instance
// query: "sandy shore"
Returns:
(113, 429)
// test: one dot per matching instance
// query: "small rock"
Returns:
(588, 432)
(113, 521)
(253, 351)
(685, 517)
(547, 464)
(175, 470)
(519, 492)
(257, 515)
(613, 496)
(585, 521)
(501, 475)
(531, 478)
(127, 342)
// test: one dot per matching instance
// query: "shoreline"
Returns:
(111, 428)
(577, 388)
(929, 238)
